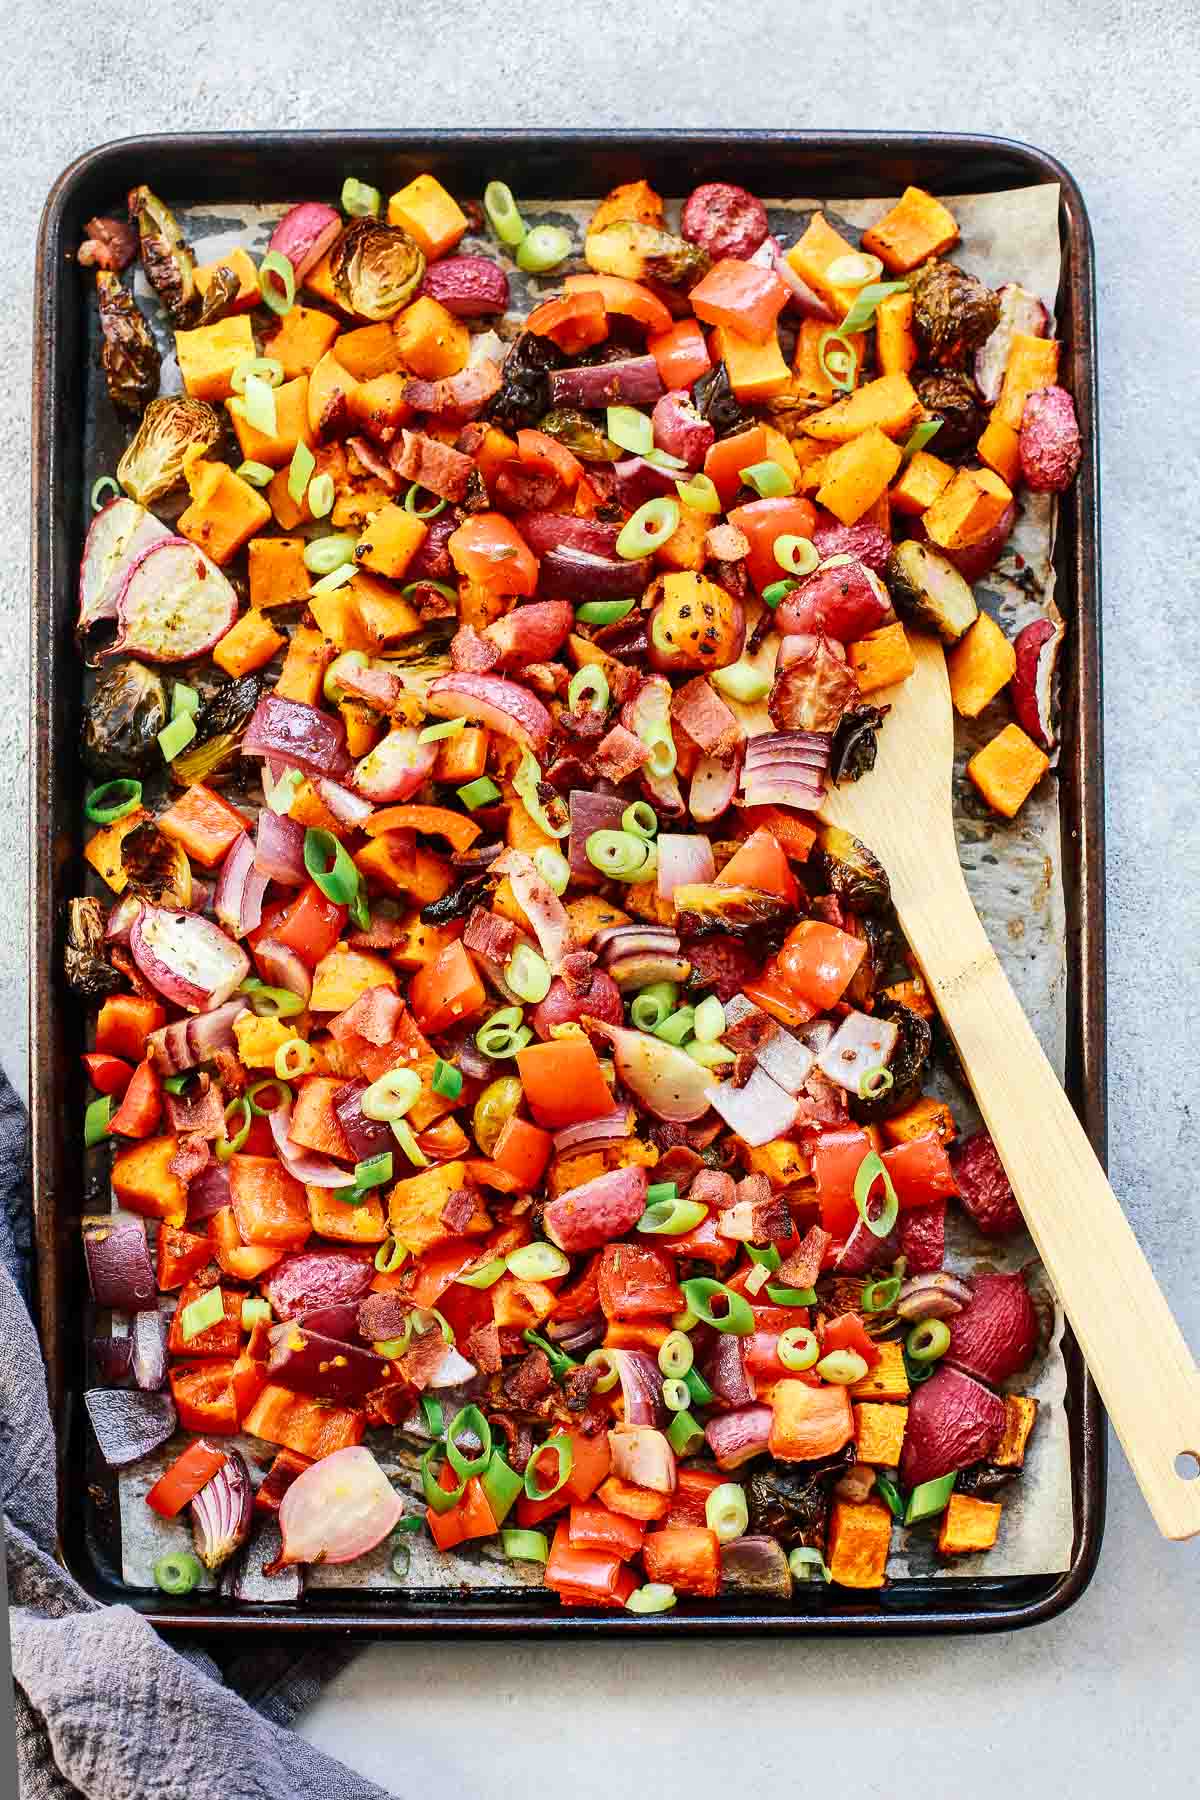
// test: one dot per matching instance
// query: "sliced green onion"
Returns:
(685, 1434)
(255, 474)
(928, 1341)
(229, 1146)
(446, 1080)
(202, 1313)
(176, 736)
(100, 488)
(360, 200)
(738, 1318)
(675, 1355)
(273, 263)
(471, 1420)
(871, 1170)
(631, 429)
(621, 856)
(920, 435)
(435, 1419)
(640, 820)
(411, 1522)
(527, 783)
(929, 1499)
(838, 359)
(662, 459)
(742, 681)
(661, 1190)
(321, 495)
(402, 1131)
(537, 1262)
(394, 1348)
(527, 973)
(609, 1372)
(726, 1512)
(769, 479)
(401, 1559)
(709, 1056)
(325, 554)
(671, 1218)
(778, 590)
(604, 612)
(553, 868)
(874, 1083)
(175, 1084)
(543, 248)
(525, 1546)
(282, 1090)
(485, 1276)
(653, 1005)
(663, 754)
(372, 1172)
(651, 1597)
(501, 209)
(766, 1256)
(177, 1573)
(423, 512)
(863, 311)
(503, 1034)
(264, 368)
(438, 1498)
(756, 1280)
(445, 728)
(790, 1296)
(395, 1093)
(255, 1311)
(96, 1120)
(502, 1486)
(853, 269)
(271, 1002)
(677, 1395)
(879, 1296)
(335, 579)
(795, 555)
(797, 1347)
(710, 1020)
(280, 797)
(588, 689)
(184, 700)
(482, 792)
(442, 587)
(700, 494)
(338, 879)
(112, 801)
(803, 1560)
(649, 528)
(843, 1367)
(702, 1394)
(561, 1447)
(258, 406)
(390, 1256)
(892, 1497)
(301, 470)
(678, 1027)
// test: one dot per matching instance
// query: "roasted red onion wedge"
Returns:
(310, 1363)
(735, 1437)
(338, 1510)
(642, 1455)
(241, 885)
(641, 1387)
(501, 705)
(149, 1351)
(635, 380)
(279, 849)
(298, 736)
(174, 605)
(306, 1165)
(667, 1082)
(221, 1512)
(583, 575)
(756, 1565)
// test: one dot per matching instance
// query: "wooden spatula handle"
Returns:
(1142, 1366)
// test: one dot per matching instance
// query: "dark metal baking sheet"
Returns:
(254, 167)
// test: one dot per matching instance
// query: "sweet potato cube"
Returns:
(142, 1180)
(855, 474)
(917, 227)
(1032, 364)
(888, 404)
(980, 664)
(330, 388)
(319, 281)
(242, 263)
(268, 1203)
(756, 371)
(419, 877)
(809, 1422)
(463, 757)
(967, 509)
(895, 344)
(431, 341)
(204, 823)
(924, 1116)
(781, 1161)
(888, 1380)
(337, 618)
(882, 658)
(364, 728)
(330, 460)
(277, 572)
(879, 1433)
(225, 511)
(920, 483)
(860, 1537)
(386, 617)
(103, 849)
(808, 377)
(339, 979)
(429, 214)
(1020, 1416)
(371, 350)
(308, 656)
(379, 405)
(631, 200)
(332, 1217)
(1007, 770)
(275, 448)
(999, 449)
(968, 1525)
(421, 943)
(209, 354)
(304, 335)
(248, 645)
(811, 257)
(415, 1207)
(389, 542)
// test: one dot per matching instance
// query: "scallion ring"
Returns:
(700, 494)
(604, 612)
(843, 1367)
(770, 480)
(653, 1005)
(525, 1546)
(671, 1218)
(321, 495)
(549, 814)
(537, 1262)
(394, 1094)
(528, 974)
(866, 303)
(360, 200)
(621, 856)
(777, 591)
(177, 1573)
(880, 1223)
(480, 792)
(631, 429)
(503, 1034)
(104, 805)
(445, 728)
(649, 528)
(255, 1311)
(401, 1560)
(438, 1498)
(174, 738)
(676, 1355)
(543, 248)
(390, 1256)
(255, 474)
(874, 1083)
(331, 685)
(329, 865)
(678, 1027)
(486, 1275)
(423, 512)
(266, 368)
(737, 1319)
(928, 1341)
(271, 1002)
(742, 681)
(677, 1395)
(446, 1080)
(640, 820)
(838, 359)
(440, 587)
(726, 1512)
(501, 209)
(100, 488)
(561, 1447)
(229, 1146)
(795, 555)
(609, 1373)
(881, 1295)
(272, 270)
(854, 269)
(278, 1087)
(301, 470)
(340, 576)
(921, 434)
(258, 406)
(651, 1597)
(469, 1420)
(325, 554)
(797, 1348)
(709, 1023)
(588, 689)
(804, 1560)
(553, 868)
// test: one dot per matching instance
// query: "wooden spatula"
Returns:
(1134, 1348)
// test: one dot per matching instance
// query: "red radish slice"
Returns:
(188, 959)
(175, 604)
(338, 1510)
(667, 1081)
(117, 536)
(305, 233)
(396, 767)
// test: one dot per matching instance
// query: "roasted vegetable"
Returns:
(854, 873)
(908, 1065)
(927, 588)
(642, 252)
(220, 294)
(791, 1502)
(155, 868)
(153, 463)
(715, 401)
(524, 395)
(705, 907)
(122, 721)
(220, 723)
(581, 435)
(375, 269)
(85, 964)
(109, 244)
(856, 743)
(953, 313)
(951, 398)
(128, 355)
(169, 264)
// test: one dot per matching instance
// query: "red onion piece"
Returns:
(297, 735)
(756, 1565)
(395, 769)
(339, 1322)
(174, 604)
(113, 1357)
(305, 1165)
(935, 1295)
(573, 574)
(542, 907)
(304, 234)
(128, 1425)
(801, 298)
(810, 749)
(590, 812)
(633, 973)
(118, 536)
(240, 888)
(149, 1341)
(666, 1081)
(495, 702)
(642, 1455)
(757, 1112)
(680, 430)
(953, 1421)
(735, 1437)
(804, 796)
(598, 1211)
(120, 919)
(208, 1192)
(638, 480)
(610, 1128)
(619, 941)
(221, 1511)
(313, 1278)
(284, 967)
(308, 1362)
(119, 1267)
(634, 380)
(545, 531)
(863, 1251)
(279, 849)
(339, 1509)
(366, 1137)
(859, 1044)
(725, 1371)
(683, 858)
(190, 961)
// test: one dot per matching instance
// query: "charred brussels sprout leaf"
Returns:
(220, 723)
(460, 901)
(856, 743)
(952, 398)
(219, 295)
(524, 395)
(707, 907)
(953, 314)
(581, 435)
(854, 873)
(157, 869)
(128, 354)
(85, 965)
(908, 1065)
(169, 264)
(927, 588)
(642, 252)
(153, 463)
(123, 719)
(376, 269)
(791, 1502)
(715, 401)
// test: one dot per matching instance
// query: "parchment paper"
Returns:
(1014, 873)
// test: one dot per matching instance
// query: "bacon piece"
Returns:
(706, 719)
(618, 756)
(203, 1111)
(483, 1349)
(828, 908)
(423, 1358)
(471, 651)
(757, 1216)
(530, 1381)
(750, 1033)
(713, 1187)
(550, 679)
(576, 971)
(373, 461)
(192, 1156)
(231, 1073)
(577, 1387)
(382, 1316)
(375, 1016)
(109, 244)
(456, 398)
(814, 690)
(820, 1103)
(801, 1268)
(458, 1211)
(433, 466)
(491, 935)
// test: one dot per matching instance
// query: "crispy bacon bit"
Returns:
(231, 1073)
(201, 1111)
(577, 1387)
(679, 1164)
(373, 462)
(374, 1016)
(490, 935)
(517, 489)
(723, 965)
(483, 1349)
(530, 1381)
(742, 1068)
(471, 438)
(706, 719)
(382, 1316)
(458, 1211)
(389, 1405)
(754, 1188)
(423, 1358)
(752, 1032)
(576, 971)
(546, 678)
(714, 1188)
(618, 756)
(120, 959)
(109, 244)
(828, 908)
(457, 398)
(726, 543)
(192, 1156)
(433, 466)
(803, 1266)
(820, 1103)
(470, 650)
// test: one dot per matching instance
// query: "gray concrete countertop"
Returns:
(1108, 1691)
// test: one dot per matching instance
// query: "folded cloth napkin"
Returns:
(103, 1706)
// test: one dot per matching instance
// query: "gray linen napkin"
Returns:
(104, 1707)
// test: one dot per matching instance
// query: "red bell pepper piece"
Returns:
(140, 1110)
(703, 1243)
(310, 925)
(203, 1396)
(729, 456)
(760, 863)
(180, 1254)
(920, 1171)
(636, 1281)
(595, 1528)
(180, 1483)
(836, 1159)
(564, 1083)
(471, 1518)
(489, 551)
(691, 1496)
(447, 991)
(846, 1332)
(593, 1574)
(761, 522)
(547, 456)
(743, 296)
(818, 962)
(681, 354)
(107, 1074)
(628, 298)
(574, 322)
(524, 1150)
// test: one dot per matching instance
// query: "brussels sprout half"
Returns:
(376, 269)
(172, 427)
